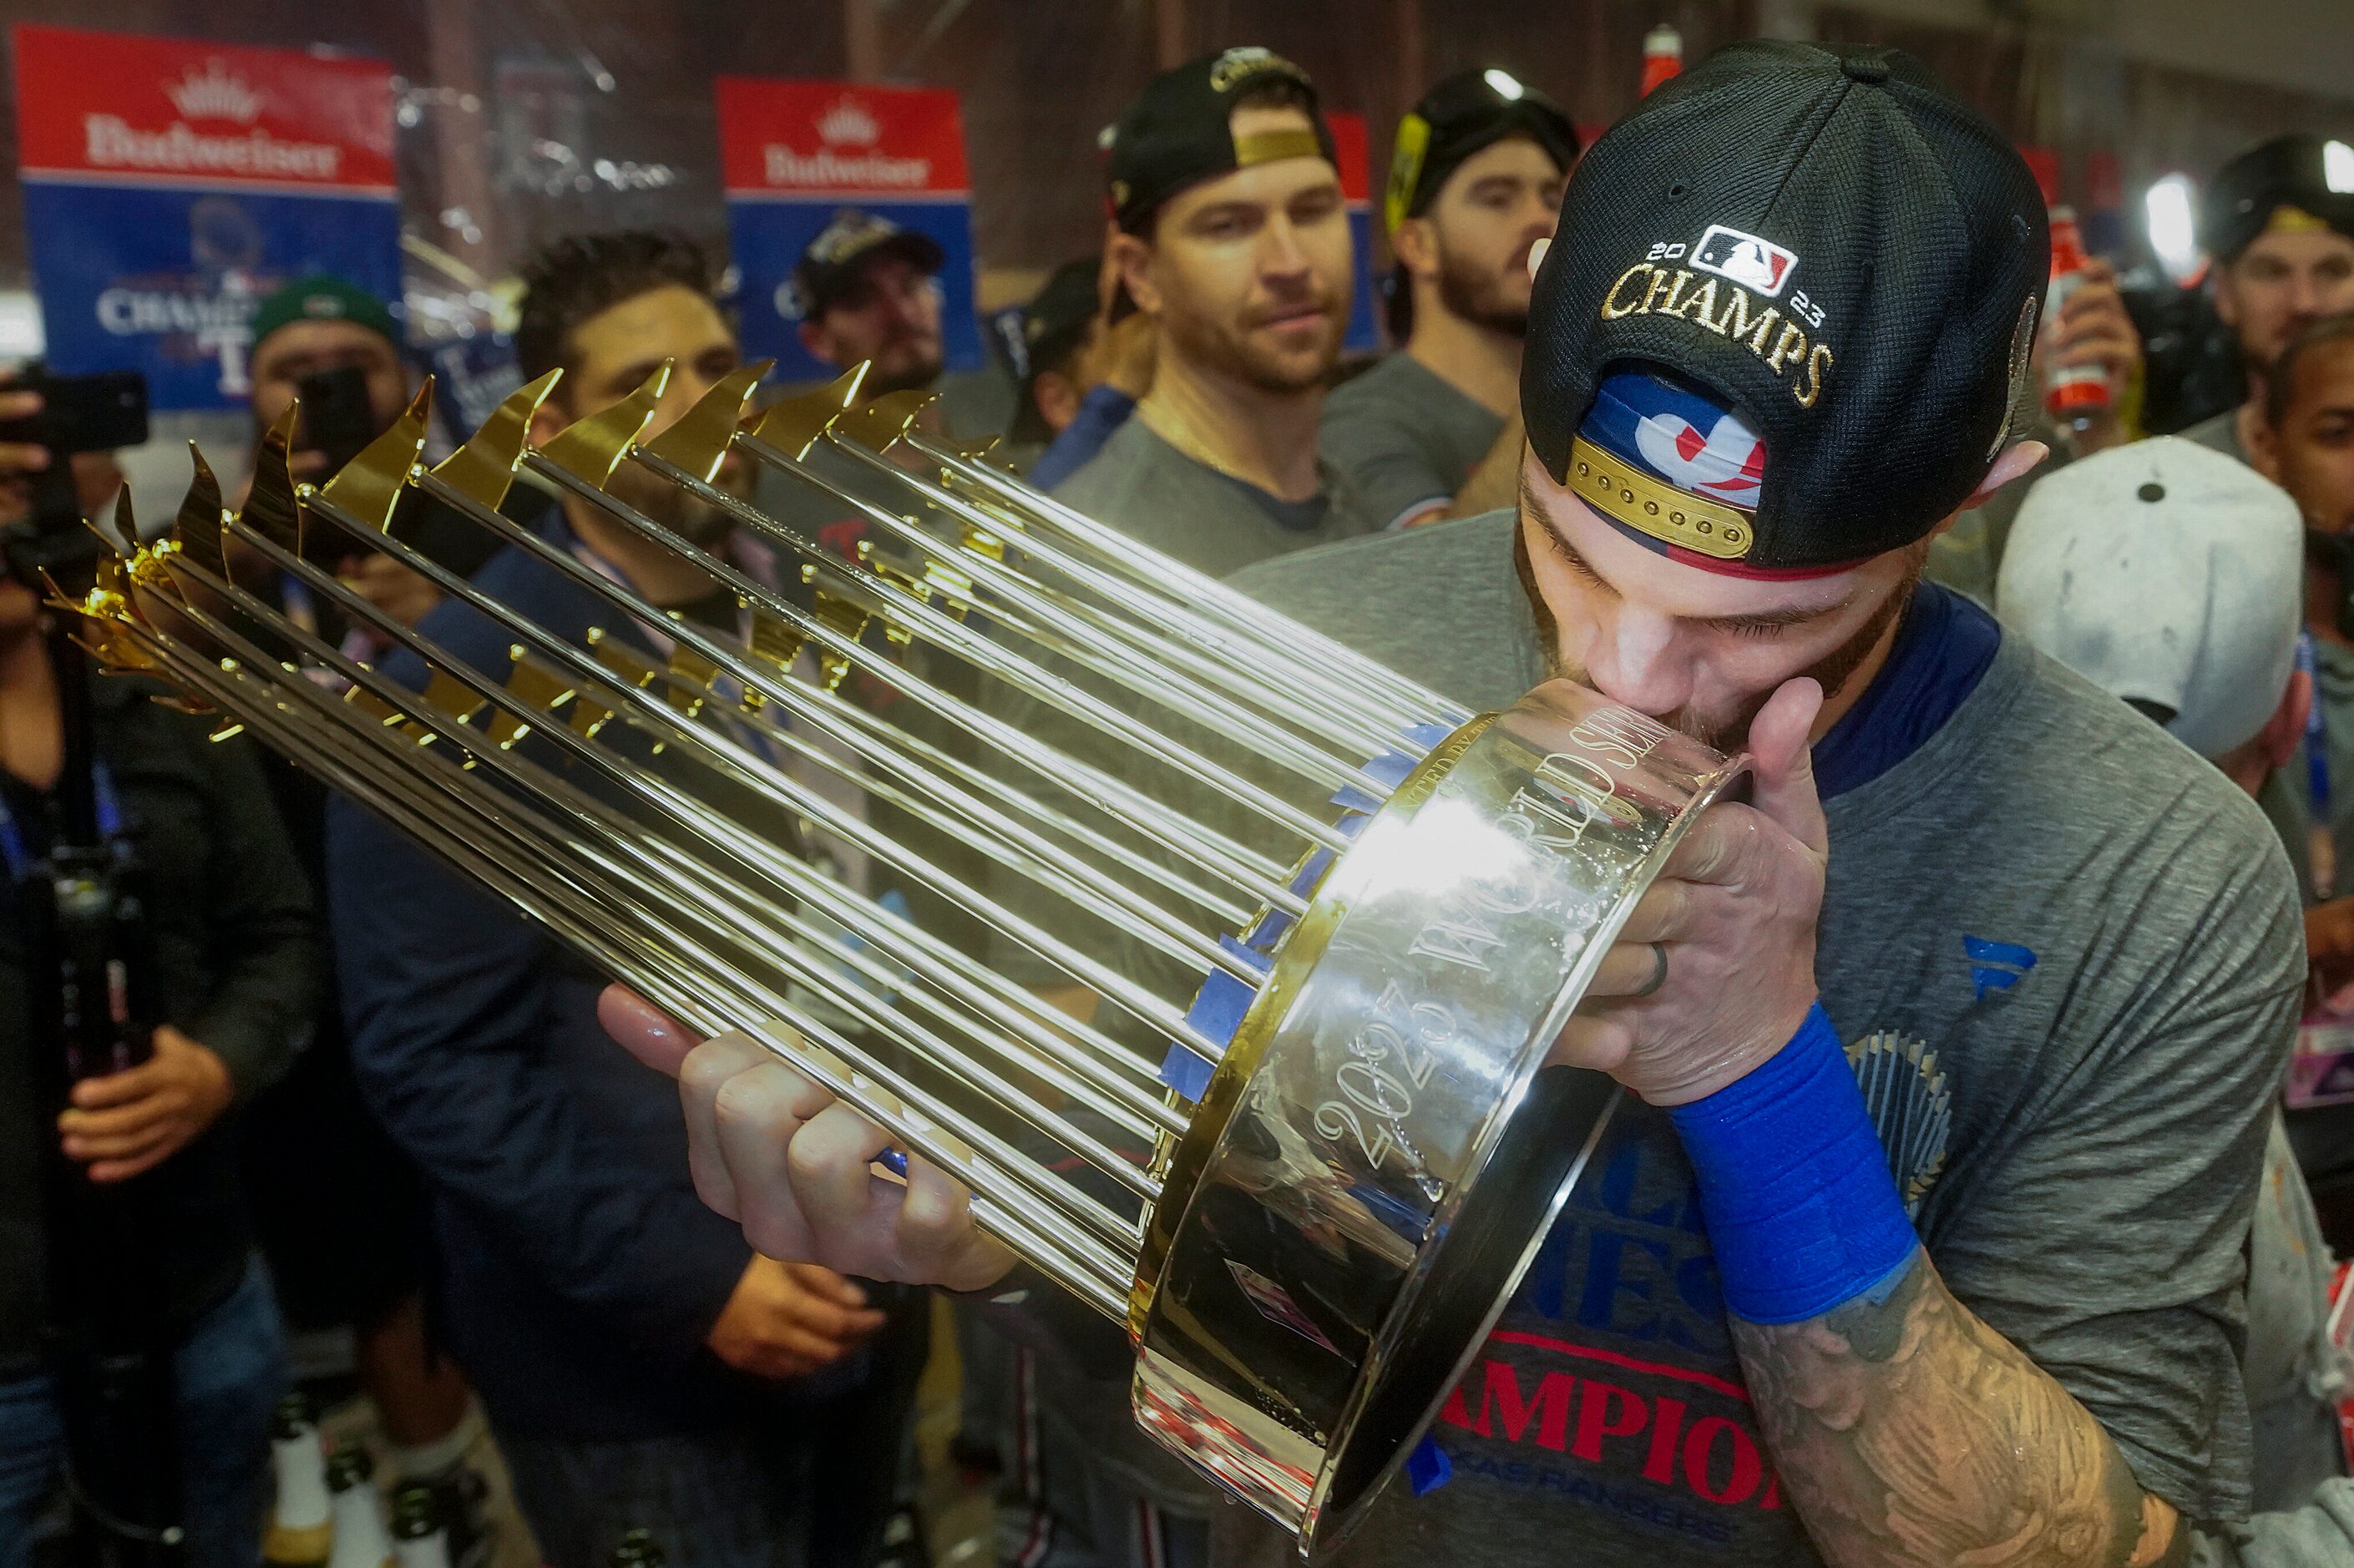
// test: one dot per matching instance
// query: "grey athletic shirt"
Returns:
(1405, 436)
(2048, 923)
(1211, 521)
(2219, 432)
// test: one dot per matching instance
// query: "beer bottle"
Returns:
(300, 1530)
(1663, 56)
(2074, 394)
(418, 1537)
(360, 1539)
(638, 1550)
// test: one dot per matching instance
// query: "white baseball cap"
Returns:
(2169, 575)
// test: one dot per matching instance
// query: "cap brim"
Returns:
(919, 250)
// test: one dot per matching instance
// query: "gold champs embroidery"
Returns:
(1728, 310)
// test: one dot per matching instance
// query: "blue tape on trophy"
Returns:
(1218, 1011)
(1427, 734)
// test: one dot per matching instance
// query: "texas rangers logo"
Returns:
(1727, 462)
(1759, 265)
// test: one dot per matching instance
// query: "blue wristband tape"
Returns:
(1801, 1209)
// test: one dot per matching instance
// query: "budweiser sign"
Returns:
(826, 138)
(166, 109)
(112, 145)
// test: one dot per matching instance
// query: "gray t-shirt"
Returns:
(1211, 521)
(2050, 923)
(1405, 436)
(2319, 1535)
(2219, 432)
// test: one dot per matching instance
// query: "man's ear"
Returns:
(817, 341)
(2263, 451)
(1130, 256)
(1416, 247)
(2017, 462)
(2225, 295)
(2286, 726)
(548, 420)
(1056, 397)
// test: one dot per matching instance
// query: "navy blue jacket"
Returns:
(579, 1274)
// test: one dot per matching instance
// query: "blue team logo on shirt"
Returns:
(1996, 966)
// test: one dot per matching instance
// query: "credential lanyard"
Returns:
(2321, 843)
(19, 855)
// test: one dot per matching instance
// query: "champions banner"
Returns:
(1350, 158)
(795, 155)
(171, 185)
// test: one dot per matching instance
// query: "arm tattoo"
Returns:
(1911, 1433)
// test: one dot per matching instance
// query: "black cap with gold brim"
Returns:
(1464, 114)
(2289, 184)
(1180, 130)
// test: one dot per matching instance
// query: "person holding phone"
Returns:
(333, 347)
(340, 1210)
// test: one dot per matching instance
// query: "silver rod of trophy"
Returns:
(1321, 708)
(1025, 675)
(1007, 1005)
(1143, 1005)
(673, 727)
(1212, 711)
(536, 842)
(1216, 905)
(1256, 875)
(1405, 702)
(1149, 597)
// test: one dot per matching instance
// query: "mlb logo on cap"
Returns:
(1756, 264)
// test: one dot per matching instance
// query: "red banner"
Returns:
(107, 107)
(834, 139)
(1350, 156)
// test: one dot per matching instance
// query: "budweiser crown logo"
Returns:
(848, 123)
(214, 93)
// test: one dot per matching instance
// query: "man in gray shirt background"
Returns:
(2283, 239)
(1434, 429)
(1231, 232)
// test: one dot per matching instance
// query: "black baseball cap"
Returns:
(1053, 326)
(2288, 183)
(1816, 244)
(1180, 131)
(831, 263)
(1469, 111)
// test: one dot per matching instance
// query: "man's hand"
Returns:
(96, 478)
(2329, 955)
(1734, 914)
(395, 590)
(131, 1121)
(778, 1155)
(2093, 328)
(787, 1319)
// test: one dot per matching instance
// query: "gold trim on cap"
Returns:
(1266, 146)
(1625, 495)
(2287, 219)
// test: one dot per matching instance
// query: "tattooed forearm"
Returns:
(1909, 1433)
